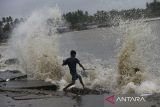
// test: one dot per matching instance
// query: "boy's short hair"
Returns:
(73, 52)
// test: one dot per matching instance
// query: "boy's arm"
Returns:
(81, 66)
(64, 62)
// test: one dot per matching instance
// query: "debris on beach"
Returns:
(9, 75)
(12, 61)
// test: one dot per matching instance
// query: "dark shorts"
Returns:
(75, 77)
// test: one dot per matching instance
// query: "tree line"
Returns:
(79, 19)
(6, 26)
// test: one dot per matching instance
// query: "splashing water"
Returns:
(133, 66)
(33, 42)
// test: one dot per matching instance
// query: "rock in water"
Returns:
(87, 91)
(11, 75)
(12, 61)
(28, 84)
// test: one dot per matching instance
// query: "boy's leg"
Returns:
(72, 83)
(80, 79)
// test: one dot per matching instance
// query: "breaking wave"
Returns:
(34, 44)
(137, 64)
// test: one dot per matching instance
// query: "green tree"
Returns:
(101, 17)
(10, 19)
(77, 18)
(153, 8)
(16, 21)
(1, 27)
(1, 23)
(6, 28)
(3, 19)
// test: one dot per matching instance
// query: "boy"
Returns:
(72, 62)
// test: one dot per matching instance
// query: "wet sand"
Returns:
(48, 98)
(52, 99)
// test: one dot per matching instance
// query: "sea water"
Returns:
(112, 53)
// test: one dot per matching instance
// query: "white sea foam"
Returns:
(34, 44)
(139, 50)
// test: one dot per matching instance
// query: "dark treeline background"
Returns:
(6, 26)
(79, 20)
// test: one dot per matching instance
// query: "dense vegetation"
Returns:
(79, 20)
(6, 26)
